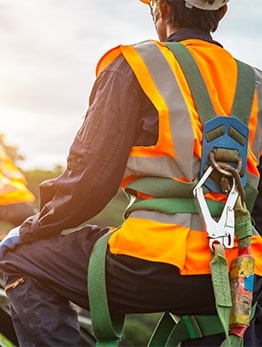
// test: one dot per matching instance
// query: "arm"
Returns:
(97, 157)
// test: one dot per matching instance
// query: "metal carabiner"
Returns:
(221, 231)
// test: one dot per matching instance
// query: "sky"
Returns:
(48, 53)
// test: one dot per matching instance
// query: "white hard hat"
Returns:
(206, 4)
(201, 4)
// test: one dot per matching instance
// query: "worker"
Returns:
(16, 200)
(142, 123)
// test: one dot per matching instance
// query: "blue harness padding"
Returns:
(227, 133)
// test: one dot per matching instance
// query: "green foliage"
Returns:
(112, 214)
(139, 328)
(36, 176)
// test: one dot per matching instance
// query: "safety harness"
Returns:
(223, 168)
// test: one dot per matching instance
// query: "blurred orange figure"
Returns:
(16, 200)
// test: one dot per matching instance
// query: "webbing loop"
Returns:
(221, 286)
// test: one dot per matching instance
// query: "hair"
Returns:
(181, 16)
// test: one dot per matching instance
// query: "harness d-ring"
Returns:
(229, 171)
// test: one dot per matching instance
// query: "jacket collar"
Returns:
(191, 33)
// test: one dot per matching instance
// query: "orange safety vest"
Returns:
(13, 185)
(179, 239)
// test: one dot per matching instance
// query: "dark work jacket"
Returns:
(119, 116)
(257, 211)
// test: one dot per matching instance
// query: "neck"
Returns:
(171, 30)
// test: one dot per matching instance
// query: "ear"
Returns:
(223, 11)
(164, 9)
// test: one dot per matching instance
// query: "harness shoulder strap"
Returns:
(194, 79)
(245, 85)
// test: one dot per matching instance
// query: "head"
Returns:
(172, 15)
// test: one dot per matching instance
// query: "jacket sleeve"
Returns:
(97, 156)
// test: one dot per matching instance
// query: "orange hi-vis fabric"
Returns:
(13, 185)
(179, 239)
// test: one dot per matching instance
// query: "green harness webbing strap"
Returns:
(107, 334)
(221, 286)
(174, 205)
(251, 194)
(173, 196)
(195, 81)
(162, 187)
(171, 329)
(245, 85)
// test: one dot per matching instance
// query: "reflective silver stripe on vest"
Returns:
(180, 122)
(252, 180)
(192, 221)
(157, 166)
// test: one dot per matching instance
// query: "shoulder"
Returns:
(115, 58)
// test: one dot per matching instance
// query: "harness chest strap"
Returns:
(171, 196)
